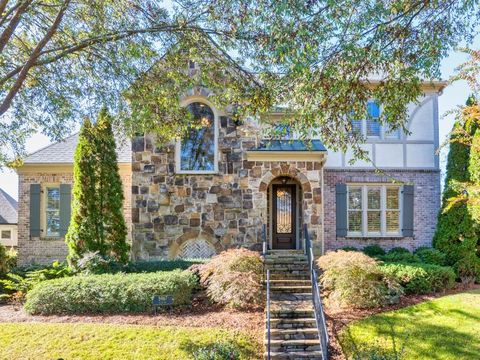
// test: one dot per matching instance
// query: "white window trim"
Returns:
(178, 145)
(383, 129)
(44, 210)
(383, 211)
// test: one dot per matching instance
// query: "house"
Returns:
(217, 187)
(8, 220)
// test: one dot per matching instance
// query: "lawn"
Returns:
(101, 341)
(444, 328)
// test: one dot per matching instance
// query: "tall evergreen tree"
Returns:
(97, 222)
(81, 235)
(112, 230)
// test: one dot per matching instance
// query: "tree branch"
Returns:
(7, 33)
(33, 58)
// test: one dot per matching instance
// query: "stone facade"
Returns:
(426, 205)
(171, 211)
(41, 250)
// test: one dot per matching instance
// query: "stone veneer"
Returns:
(426, 205)
(225, 210)
(44, 251)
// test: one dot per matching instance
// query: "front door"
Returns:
(284, 216)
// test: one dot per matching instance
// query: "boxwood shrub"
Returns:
(373, 250)
(431, 256)
(419, 278)
(109, 293)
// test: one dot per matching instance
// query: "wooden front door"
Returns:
(284, 214)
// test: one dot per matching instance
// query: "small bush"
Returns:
(468, 269)
(233, 278)
(349, 248)
(354, 279)
(93, 263)
(109, 293)
(421, 278)
(399, 250)
(8, 260)
(431, 256)
(162, 265)
(400, 257)
(220, 351)
(373, 250)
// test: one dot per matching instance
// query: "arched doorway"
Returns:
(284, 213)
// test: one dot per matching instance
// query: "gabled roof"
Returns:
(62, 152)
(8, 209)
(290, 145)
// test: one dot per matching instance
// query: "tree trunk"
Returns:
(9, 30)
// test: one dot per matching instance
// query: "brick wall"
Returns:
(426, 206)
(44, 251)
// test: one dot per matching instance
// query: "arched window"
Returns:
(197, 150)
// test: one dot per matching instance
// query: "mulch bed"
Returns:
(338, 318)
(199, 314)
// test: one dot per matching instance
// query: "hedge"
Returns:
(421, 278)
(109, 293)
(161, 265)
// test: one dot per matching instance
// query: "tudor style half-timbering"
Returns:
(223, 182)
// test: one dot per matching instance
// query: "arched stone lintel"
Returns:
(285, 170)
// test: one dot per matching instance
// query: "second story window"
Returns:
(373, 119)
(371, 128)
(197, 150)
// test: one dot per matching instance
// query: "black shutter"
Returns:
(65, 207)
(341, 209)
(35, 210)
(407, 228)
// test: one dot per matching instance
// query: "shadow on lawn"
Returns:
(422, 341)
(218, 350)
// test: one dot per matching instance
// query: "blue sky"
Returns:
(454, 95)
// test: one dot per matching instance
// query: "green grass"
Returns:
(101, 341)
(444, 328)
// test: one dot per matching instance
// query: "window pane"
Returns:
(198, 147)
(53, 198)
(373, 115)
(354, 198)
(393, 221)
(6, 234)
(53, 223)
(355, 221)
(374, 198)
(357, 126)
(373, 221)
(392, 198)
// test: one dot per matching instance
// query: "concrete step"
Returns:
(293, 334)
(295, 323)
(294, 345)
(292, 314)
(288, 282)
(276, 297)
(285, 252)
(290, 275)
(297, 355)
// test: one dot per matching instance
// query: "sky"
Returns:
(455, 94)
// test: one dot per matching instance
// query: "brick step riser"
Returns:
(289, 277)
(296, 336)
(291, 314)
(291, 290)
(293, 282)
(286, 325)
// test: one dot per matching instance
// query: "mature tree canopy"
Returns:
(62, 59)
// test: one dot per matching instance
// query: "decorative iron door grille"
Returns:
(284, 216)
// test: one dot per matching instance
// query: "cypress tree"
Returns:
(112, 230)
(82, 235)
(97, 223)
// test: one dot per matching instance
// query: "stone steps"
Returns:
(293, 328)
(297, 355)
(293, 334)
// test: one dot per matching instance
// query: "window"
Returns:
(6, 234)
(52, 211)
(283, 132)
(198, 148)
(371, 126)
(373, 210)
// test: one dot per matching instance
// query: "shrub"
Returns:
(94, 263)
(400, 257)
(399, 250)
(468, 269)
(350, 248)
(20, 283)
(233, 278)
(4, 268)
(109, 293)
(162, 265)
(354, 279)
(431, 256)
(421, 278)
(373, 250)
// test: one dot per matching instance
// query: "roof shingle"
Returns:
(8, 209)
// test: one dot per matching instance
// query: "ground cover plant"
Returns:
(446, 327)
(102, 341)
(234, 278)
(109, 293)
